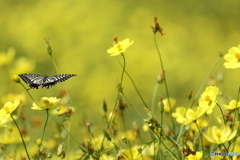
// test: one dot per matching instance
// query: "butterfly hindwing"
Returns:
(52, 80)
(35, 80)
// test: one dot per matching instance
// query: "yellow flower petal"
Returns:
(120, 47)
(8, 108)
(45, 103)
(232, 58)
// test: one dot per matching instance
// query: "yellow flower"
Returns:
(197, 156)
(208, 98)
(11, 135)
(201, 123)
(134, 153)
(62, 109)
(187, 116)
(12, 97)
(23, 65)
(6, 57)
(220, 135)
(232, 58)
(15, 78)
(4, 120)
(45, 103)
(166, 103)
(120, 47)
(232, 105)
(8, 108)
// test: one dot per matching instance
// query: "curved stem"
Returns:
(134, 85)
(204, 81)
(21, 136)
(44, 128)
(27, 91)
(200, 137)
(58, 72)
(115, 105)
(154, 97)
(221, 112)
(166, 86)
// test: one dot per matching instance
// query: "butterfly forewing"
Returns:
(31, 78)
(35, 80)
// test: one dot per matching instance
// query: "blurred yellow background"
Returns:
(81, 31)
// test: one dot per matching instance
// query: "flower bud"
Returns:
(15, 78)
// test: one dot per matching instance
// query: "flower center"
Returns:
(218, 134)
(6, 109)
(46, 101)
(237, 55)
(207, 98)
(119, 47)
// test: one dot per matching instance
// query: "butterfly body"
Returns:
(35, 80)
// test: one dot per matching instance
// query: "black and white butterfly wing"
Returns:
(34, 80)
(53, 80)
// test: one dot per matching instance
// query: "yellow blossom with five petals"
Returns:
(220, 135)
(172, 102)
(6, 57)
(119, 47)
(209, 98)
(232, 58)
(8, 108)
(187, 116)
(197, 156)
(45, 103)
(232, 105)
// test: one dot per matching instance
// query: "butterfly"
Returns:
(35, 80)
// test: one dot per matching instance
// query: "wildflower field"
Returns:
(137, 80)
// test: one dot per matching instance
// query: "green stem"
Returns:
(54, 64)
(58, 72)
(204, 81)
(221, 112)
(27, 91)
(44, 128)
(154, 97)
(61, 124)
(200, 137)
(134, 85)
(125, 132)
(21, 136)
(166, 86)
(115, 105)
(132, 106)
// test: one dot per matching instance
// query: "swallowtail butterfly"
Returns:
(35, 80)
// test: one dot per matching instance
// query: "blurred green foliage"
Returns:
(81, 31)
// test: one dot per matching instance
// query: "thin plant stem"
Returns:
(68, 138)
(61, 124)
(154, 97)
(21, 136)
(69, 97)
(109, 121)
(221, 112)
(54, 64)
(237, 110)
(200, 137)
(115, 105)
(134, 85)
(27, 91)
(125, 131)
(204, 81)
(132, 106)
(44, 129)
(58, 72)
(166, 86)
